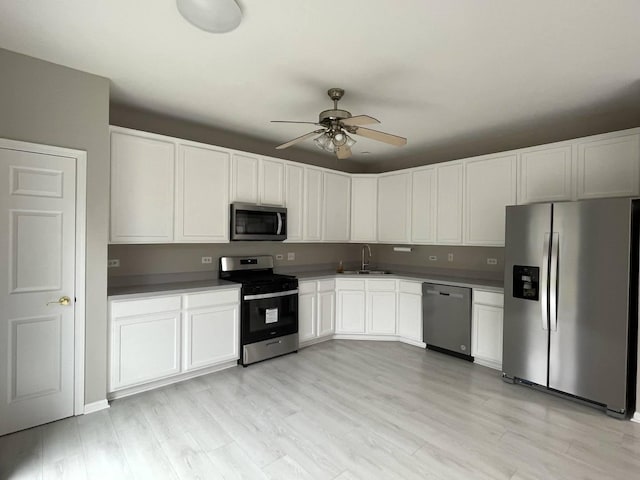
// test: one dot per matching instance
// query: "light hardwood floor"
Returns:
(339, 410)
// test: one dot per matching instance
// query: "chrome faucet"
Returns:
(365, 265)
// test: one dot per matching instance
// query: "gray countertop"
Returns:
(134, 291)
(124, 292)
(485, 284)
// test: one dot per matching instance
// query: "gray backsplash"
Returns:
(163, 263)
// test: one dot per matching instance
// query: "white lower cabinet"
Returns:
(486, 329)
(410, 310)
(351, 308)
(159, 337)
(316, 310)
(381, 307)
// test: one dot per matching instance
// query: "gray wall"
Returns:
(140, 260)
(53, 105)
(125, 116)
(184, 258)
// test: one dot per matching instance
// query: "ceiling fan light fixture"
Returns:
(350, 141)
(214, 16)
(324, 142)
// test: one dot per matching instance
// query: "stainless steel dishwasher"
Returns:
(446, 317)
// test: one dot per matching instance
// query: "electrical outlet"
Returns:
(492, 261)
(113, 262)
(207, 260)
(433, 258)
(450, 257)
(279, 256)
(291, 256)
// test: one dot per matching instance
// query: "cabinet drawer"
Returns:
(488, 298)
(326, 285)
(381, 285)
(144, 306)
(307, 287)
(410, 287)
(349, 284)
(208, 299)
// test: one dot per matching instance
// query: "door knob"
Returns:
(62, 301)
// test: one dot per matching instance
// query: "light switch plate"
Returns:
(113, 263)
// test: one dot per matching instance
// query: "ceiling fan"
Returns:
(336, 125)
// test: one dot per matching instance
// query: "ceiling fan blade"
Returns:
(294, 121)
(343, 152)
(381, 136)
(359, 120)
(299, 139)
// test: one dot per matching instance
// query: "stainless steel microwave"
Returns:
(258, 222)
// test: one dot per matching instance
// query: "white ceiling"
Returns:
(435, 71)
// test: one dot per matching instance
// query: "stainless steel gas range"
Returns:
(268, 310)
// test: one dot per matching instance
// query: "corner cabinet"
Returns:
(410, 311)
(337, 207)
(364, 204)
(142, 188)
(316, 310)
(486, 328)
(157, 340)
(394, 206)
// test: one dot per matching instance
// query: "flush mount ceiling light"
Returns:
(215, 16)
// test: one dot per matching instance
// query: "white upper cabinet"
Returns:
(423, 205)
(294, 201)
(609, 167)
(202, 195)
(449, 203)
(394, 205)
(337, 203)
(271, 182)
(364, 206)
(312, 204)
(490, 185)
(545, 174)
(257, 180)
(142, 188)
(245, 171)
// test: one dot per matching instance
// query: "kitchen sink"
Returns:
(366, 272)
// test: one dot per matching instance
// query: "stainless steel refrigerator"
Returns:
(571, 299)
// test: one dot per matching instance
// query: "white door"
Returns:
(37, 254)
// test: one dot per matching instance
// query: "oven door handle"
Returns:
(270, 295)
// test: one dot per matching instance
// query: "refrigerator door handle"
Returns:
(544, 286)
(553, 282)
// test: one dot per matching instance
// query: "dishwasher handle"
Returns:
(444, 294)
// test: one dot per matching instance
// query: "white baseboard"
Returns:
(415, 343)
(313, 341)
(488, 363)
(636, 417)
(96, 406)
(377, 338)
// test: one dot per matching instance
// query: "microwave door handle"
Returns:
(279, 223)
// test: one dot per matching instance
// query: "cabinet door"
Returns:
(364, 209)
(545, 175)
(351, 304)
(410, 316)
(609, 168)
(313, 204)
(490, 185)
(294, 183)
(337, 207)
(326, 313)
(381, 313)
(244, 178)
(307, 318)
(423, 206)
(271, 182)
(144, 348)
(142, 188)
(449, 204)
(394, 196)
(210, 336)
(486, 344)
(202, 195)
